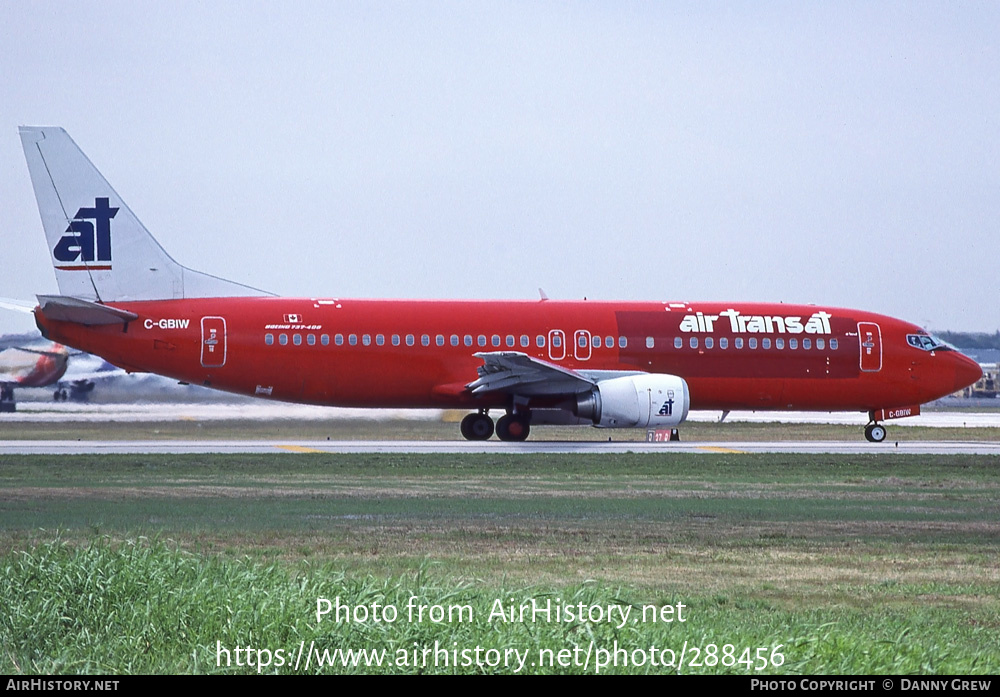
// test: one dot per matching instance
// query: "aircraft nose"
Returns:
(967, 372)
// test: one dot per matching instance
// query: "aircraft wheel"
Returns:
(875, 433)
(513, 428)
(477, 427)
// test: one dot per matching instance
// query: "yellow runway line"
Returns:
(713, 449)
(298, 449)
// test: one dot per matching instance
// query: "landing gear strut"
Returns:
(875, 433)
(7, 403)
(477, 426)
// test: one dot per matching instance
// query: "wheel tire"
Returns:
(513, 428)
(477, 427)
(875, 433)
(466, 426)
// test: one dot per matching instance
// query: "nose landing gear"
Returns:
(875, 433)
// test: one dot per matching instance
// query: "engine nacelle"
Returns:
(636, 401)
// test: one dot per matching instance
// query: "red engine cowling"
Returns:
(636, 401)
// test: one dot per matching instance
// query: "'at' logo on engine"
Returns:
(88, 238)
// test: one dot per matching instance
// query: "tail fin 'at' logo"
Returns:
(82, 243)
(85, 241)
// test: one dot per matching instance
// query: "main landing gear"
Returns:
(510, 427)
(875, 433)
(7, 403)
(477, 426)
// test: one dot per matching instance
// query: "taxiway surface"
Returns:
(92, 447)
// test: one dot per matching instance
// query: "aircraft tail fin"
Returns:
(100, 250)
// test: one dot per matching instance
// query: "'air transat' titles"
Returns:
(818, 323)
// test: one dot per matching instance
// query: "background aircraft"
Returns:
(23, 366)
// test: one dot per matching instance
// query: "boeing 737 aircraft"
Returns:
(608, 364)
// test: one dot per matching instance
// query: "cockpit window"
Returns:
(926, 342)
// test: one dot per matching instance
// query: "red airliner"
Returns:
(608, 364)
(30, 367)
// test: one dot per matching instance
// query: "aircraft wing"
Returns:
(518, 373)
(93, 375)
(59, 353)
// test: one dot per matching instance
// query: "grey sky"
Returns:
(836, 153)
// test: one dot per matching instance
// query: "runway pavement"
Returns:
(56, 447)
(260, 410)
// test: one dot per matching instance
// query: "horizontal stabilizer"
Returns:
(62, 308)
(17, 305)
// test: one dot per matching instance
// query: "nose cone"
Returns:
(967, 372)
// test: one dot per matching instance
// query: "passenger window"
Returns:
(765, 343)
(379, 340)
(678, 342)
(833, 344)
(425, 340)
(269, 339)
(582, 341)
(439, 340)
(723, 343)
(752, 342)
(468, 340)
(481, 340)
(693, 342)
(540, 341)
(779, 344)
(510, 341)
(496, 340)
(454, 340)
(793, 344)
(366, 339)
(410, 340)
(595, 341)
(709, 342)
(395, 339)
(352, 339)
(283, 339)
(325, 339)
(609, 341)
(807, 344)
(311, 339)
(622, 342)
(525, 341)
(738, 342)
(820, 344)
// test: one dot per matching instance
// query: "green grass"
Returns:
(852, 564)
(140, 607)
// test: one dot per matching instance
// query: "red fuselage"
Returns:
(395, 353)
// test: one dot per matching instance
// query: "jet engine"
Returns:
(636, 401)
